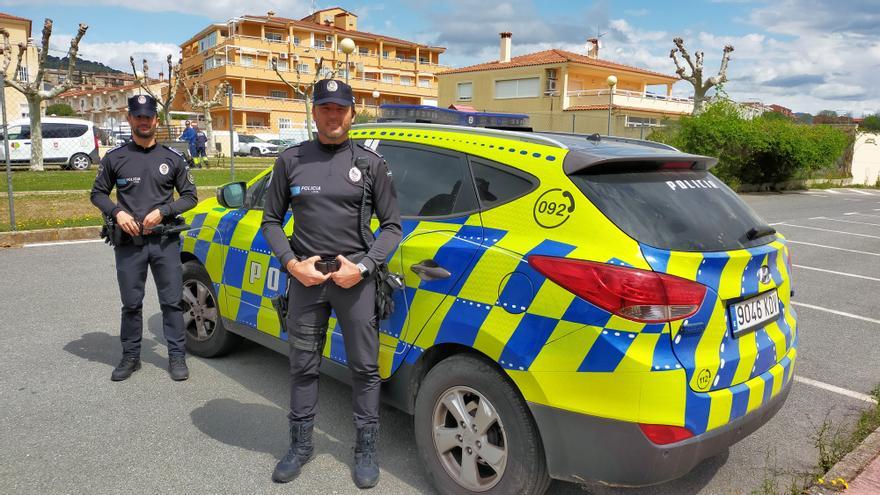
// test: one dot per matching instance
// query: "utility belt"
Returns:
(114, 235)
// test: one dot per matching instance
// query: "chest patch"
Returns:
(163, 169)
(354, 174)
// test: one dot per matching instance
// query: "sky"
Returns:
(807, 55)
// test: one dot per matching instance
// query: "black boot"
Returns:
(366, 458)
(125, 368)
(301, 451)
(177, 368)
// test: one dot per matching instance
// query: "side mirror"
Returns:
(232, 195)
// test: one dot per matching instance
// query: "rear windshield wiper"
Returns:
(760, 231)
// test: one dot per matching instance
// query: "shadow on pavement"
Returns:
(104, 348)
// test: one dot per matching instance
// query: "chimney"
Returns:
(593, 47)
(505, 47)
(270, 14)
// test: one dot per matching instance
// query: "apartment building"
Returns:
(54, 77)
(19, 30)
(566, 91)
(106, 106)
(381, 69)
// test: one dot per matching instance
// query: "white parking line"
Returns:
(832, 191)
(845, 221)
(866, 193)
(835, 389)
(832, 247)
(832, 231)
(834, 311)
(867, 215)
(61, 243)
(854, 275)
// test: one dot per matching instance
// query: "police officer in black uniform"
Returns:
(332, 267)
(145, 176)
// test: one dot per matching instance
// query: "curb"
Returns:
(15, 239)
(850, 466)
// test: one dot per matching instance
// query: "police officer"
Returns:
(145, 176)
(200, 142)
(332, 267)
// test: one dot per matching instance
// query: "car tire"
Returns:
(517, 466)
(203, 327)
(79, 161)
(255, 152)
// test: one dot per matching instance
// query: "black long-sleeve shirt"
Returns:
(322, 185)
(145, 179)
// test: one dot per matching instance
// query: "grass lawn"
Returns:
(68, 180)
(44, 211)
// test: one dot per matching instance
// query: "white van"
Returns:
(69, 142)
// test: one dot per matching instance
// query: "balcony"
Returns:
(635, 99)
(266, 103)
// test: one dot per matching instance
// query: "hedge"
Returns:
(765, 149)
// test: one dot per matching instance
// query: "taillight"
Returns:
(676, 166)
(97, 141)
(634, 294)
(665, 434)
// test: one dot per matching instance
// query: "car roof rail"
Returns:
(526, 137)
(617, 139)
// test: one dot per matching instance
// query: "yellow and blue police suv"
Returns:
(576, 307)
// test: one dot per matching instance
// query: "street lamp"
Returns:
(347, 47)
(612, 81)
(376, 95)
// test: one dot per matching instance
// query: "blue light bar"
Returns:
(435, 115)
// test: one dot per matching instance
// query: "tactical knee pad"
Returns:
(309, 338)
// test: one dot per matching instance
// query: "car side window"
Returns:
(429, 182)
(255, 199)
(76, 130)
(20, 132)
(497, 184)
(54, 131)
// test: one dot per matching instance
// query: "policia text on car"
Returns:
(333, 267)
(145, 176)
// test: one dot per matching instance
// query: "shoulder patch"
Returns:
(371, 150)
(173, 150)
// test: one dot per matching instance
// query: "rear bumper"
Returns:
(579, 447)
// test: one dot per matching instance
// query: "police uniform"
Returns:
(145, 179)
(323, 186)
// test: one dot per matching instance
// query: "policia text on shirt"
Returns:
(145, 176)
(333, 267)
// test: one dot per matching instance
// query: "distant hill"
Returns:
(81, 65)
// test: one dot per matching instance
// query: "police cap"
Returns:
(142, 106)
(333, 91)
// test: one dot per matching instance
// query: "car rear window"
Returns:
(76, 130)
(674, 210)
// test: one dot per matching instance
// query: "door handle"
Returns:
(429, 270)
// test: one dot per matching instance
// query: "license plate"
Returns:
(752, 313)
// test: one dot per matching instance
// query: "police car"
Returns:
(576, 307)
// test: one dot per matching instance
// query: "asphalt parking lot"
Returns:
(66, 428)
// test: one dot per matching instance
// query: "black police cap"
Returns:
(333, 91)
(142, 106)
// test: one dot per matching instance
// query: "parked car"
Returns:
(576, 307)
(282, 144)
(254, 146)
(72, 143)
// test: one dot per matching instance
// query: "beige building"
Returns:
(19, 30)
(381, 69)
(54, 77)
(565, 91)
(106, 106)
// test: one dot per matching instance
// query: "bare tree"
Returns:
(164, 101)
(305, 90)
(196, 101)
(696, 76)
(32, 91)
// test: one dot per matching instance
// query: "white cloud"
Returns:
(116, 54)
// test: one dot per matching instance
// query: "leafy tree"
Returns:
(60, 110)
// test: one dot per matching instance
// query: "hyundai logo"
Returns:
(764, 274)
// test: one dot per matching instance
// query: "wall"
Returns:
(866, 159)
